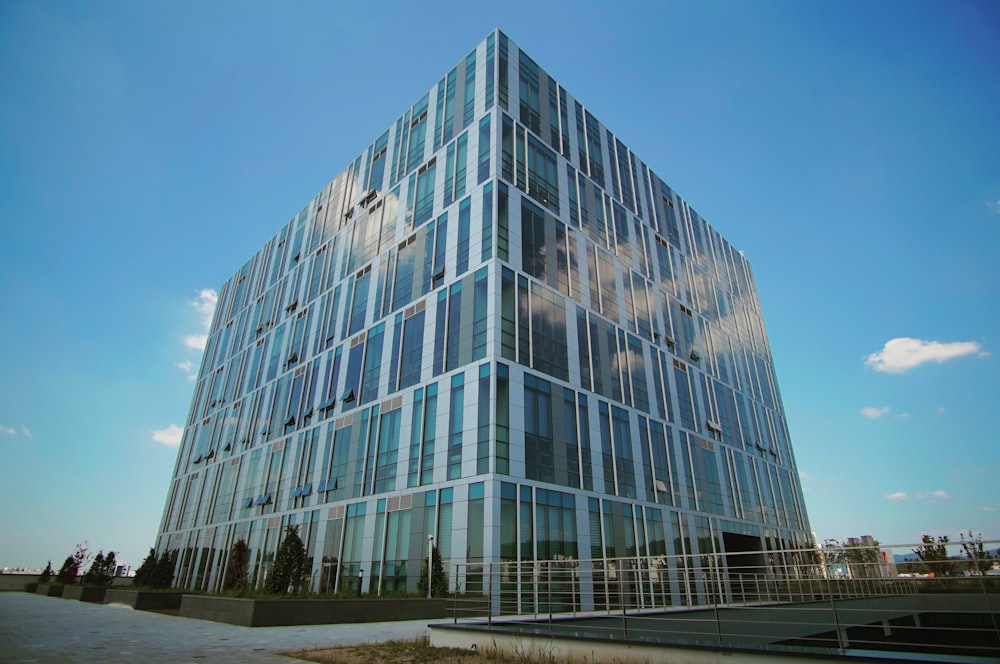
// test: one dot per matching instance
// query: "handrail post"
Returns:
(548, 588)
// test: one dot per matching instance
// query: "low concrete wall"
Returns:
(49, 589)
(16, 581)
(19, 581)
(144, 600)
(277, 612)
(85, 593)
(532, 647)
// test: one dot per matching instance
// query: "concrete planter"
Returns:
(85, 593)
(31, 587)
(50, 589)
(144, 600)
(276, 612)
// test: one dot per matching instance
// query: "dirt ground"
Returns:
(394, 652)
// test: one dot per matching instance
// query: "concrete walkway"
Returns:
(38, 629)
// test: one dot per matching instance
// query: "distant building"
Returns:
(863, 557)
(497, 328)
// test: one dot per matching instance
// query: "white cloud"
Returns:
(171, 436)
(205, 305)
(188, 367)
(875, 413)
(196, 341)
(903, 416)
(896, 497)
(26, 431)
(932, 496)
(902, 354)
(941, 410)
(987, 509)
(805, 476)
(10, 431)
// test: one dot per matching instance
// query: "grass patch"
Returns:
(418, 651)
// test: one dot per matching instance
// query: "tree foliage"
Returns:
(156, 571)
(972, 544)
(102, 569)
(239, 564)
(163, 574)
(71, 566)
(439, 580)
(143, 575)
(46, 573)
(289, 569)
(934, 553)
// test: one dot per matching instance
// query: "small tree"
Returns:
(439, 581)
(102, 570)
(96, 567)
(239, 563)
(982, 561)
(144, 575)
(934, 553)
(72, 565)
(163, 573)
(46, 573)
(110, 568)
(289, 569)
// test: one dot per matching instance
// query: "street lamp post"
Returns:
(361, 578)
(430, 564)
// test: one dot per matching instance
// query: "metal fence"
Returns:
(845, 600)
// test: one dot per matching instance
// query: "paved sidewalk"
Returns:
(37, 629)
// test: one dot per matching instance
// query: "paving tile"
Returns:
(39, 630)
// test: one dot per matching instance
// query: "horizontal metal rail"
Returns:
(802, 600)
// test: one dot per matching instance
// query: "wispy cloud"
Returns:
(188, 367)
(933, 496)
(874, 413)
(805, 476)
(204, 305)
(904, 353)
(171, 436)
(987, 509)
(13, 431)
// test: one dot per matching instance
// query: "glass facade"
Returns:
(497, 327)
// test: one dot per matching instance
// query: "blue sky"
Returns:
(850, 149)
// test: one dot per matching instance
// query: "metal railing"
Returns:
(847, 601)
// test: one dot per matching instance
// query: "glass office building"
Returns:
(497, 327)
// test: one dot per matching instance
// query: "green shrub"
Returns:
(239, 563)
(289, 569)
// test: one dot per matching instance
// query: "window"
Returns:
(455, 419)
